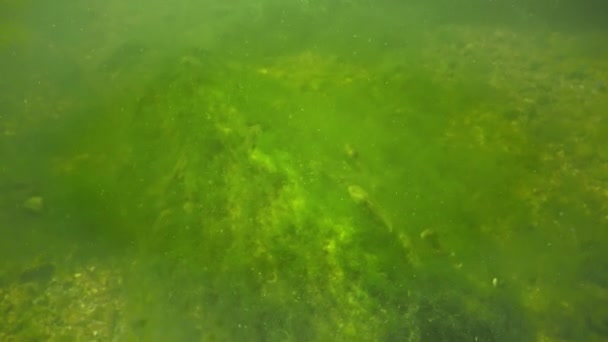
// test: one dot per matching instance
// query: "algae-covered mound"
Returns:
(246, 241)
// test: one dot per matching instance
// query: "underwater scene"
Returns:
(304, 170)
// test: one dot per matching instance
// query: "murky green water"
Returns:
(303, 171)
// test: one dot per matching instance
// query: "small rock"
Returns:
(350, 151)
(34, 204)
(431, 237)
(41, 273)
(361, 198)
(357, 194)
(188, 207)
